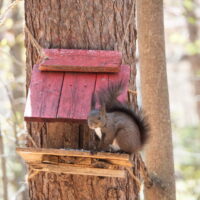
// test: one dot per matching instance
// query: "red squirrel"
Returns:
(117, 125)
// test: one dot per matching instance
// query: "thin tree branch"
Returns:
(10, 98)
(4, 15)
(15, 60)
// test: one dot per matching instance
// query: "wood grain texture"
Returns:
(55, 96)
(44, 95)
(83, 24)
(76, 170)
(124, 75)
(27, 152)
(76, 96)
(104, 80)
(74, 60)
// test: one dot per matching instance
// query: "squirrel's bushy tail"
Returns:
(108, 98)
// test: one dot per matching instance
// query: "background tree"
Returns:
(158, 154)
(81, 24)
(12, 96)
(193, 46)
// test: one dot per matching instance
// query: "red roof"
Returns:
(66, 96)
(77, 60)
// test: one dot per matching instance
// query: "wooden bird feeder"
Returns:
(60, 90)
(65, 96)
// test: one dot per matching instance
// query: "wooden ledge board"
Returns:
(26, 153)
(61, 97)
(73, 60)
(79, 170)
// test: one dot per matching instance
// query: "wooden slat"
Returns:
(76, 96)
(104, 80)
(120, 163)
(101, 82)
(83, 160)
(50, 159)
(44, 95)
(26, 153)
(74, 60)
(69, 169)
(123, 75)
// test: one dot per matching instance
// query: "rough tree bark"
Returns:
(85, 24)
(158, 154)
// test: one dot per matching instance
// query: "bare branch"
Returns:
(10, 98)
(4, 15)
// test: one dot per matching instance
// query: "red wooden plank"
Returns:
(44, 94)
(76, 96)
(74, 60)
(103, 80)
(123, 75)
(62, 52)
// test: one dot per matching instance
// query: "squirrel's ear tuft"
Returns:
(102, 110)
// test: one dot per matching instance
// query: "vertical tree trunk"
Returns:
(3, 157)
(194, 59)
(18, 92)
(159, 155)
(84, 24)
(16, 52)
(3, 168)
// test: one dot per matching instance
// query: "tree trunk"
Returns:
(18, 93)
(158, 154)
(3, 168)
(83, 24)
(16, 52)
(194, 59)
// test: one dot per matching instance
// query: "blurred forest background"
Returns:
(182, 29)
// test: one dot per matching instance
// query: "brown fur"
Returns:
(118, 122)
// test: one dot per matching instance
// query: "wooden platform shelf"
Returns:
(76, 162)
